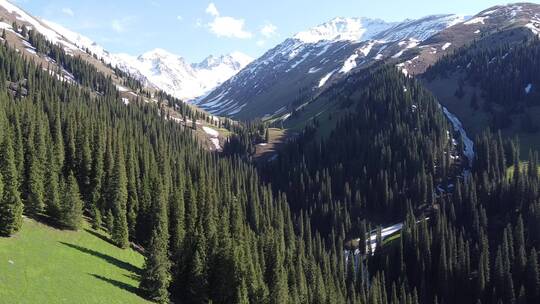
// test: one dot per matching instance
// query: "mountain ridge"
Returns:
(199, 79)
(180, 79)
(309, 61)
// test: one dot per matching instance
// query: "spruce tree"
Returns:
(109, 221)
(52, 195)
(120, 234)
(11, 206)
(35, 198)
(72, 205)
(156, 276)
(96, 208)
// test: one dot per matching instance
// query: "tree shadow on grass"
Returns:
(134, 277)
(47, 221)
(112, 260)
(121, 285)
(99, 235)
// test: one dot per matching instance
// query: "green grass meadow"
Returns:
(41, 264)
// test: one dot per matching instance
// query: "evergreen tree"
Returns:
(156, 277)
(120, 233)
(35, 198)
(52, 195)
(72, 209)
(11, 206)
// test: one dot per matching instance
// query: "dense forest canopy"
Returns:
(216, 229)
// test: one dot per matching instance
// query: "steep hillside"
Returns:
(45, 265)
(494, 26)
(156, 70)
(78, 61)
(508, 25)
(211, 231)
(492, 84)
(302, 66)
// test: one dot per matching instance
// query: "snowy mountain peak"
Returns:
(234, 60)
(352, 29)
(158, 53)
(419, 29)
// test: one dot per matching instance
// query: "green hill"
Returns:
(41, 264)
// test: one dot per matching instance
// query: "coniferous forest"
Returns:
(218, 228)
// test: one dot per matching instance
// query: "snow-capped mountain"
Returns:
(82, 42)
(172, 74)
(296, 70)
(157, 68)
(352, 29)
(163, 70)
(499, 25)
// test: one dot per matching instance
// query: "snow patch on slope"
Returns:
(323, 80)
(213, 136)
(477, 20)
(349, 64)
(467, 142)
(528, 88)
(446, 45)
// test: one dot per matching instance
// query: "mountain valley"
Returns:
(358, 161)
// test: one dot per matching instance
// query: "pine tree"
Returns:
(532, 277)
(132, 194)
(96, 180)
(72, 209)
(120, 233)
(156, 277)
(35, 198)
(11, 206)
(52, 195)
(109, 221)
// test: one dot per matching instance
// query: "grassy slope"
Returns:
(44, 265)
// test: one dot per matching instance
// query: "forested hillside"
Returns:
(307, 225)
(497, 88)
(211, 231)
(467, 237)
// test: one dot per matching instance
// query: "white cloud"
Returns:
(68, 11)
(261, 43)
(229, 27)
(212, 10)
(269, 30)
(121, 25)
(224, 26)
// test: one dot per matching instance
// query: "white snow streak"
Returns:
(323, 80)
(446, 45)
(349, 64)
(528, 88)
(467, 142)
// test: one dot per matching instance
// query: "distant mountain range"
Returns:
(294, 73)
(157, 68)
(164, 70)
(172, 74)
(300, 67)
(298, 70)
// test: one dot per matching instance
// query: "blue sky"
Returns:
(195, 29)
